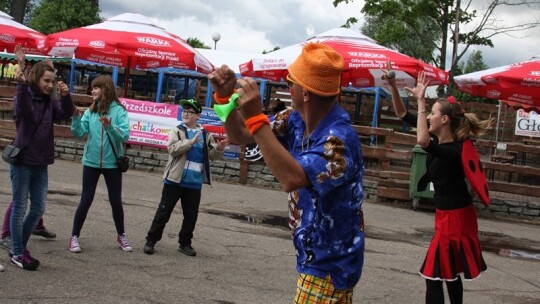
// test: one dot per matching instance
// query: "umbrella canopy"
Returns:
(13, 33)
(365, 61)
(525, 107)
(518, 82)
(127, 40)
(35, 58)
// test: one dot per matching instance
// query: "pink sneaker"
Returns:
(123, 242)
(74, 244)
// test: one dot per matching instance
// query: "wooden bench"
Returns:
(525, 172)
(8, 91)
(485, 147)
(531, 142)
(505, 159)
(8, 131)
(82, 100)
(525, 154)
(388, 163)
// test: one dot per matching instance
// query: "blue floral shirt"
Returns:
(326, 217)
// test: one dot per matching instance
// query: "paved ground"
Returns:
(244, 254)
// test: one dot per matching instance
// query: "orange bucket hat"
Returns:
(318, 69)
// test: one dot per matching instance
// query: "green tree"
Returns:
(196, 43)
(474, 63)
(269, 51)
(448, 17)
(18, 8)
(5, 6)
(400, 36)
(51, 16)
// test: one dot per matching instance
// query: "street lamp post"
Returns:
(216, 36)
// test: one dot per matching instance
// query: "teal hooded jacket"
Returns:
(97, 150)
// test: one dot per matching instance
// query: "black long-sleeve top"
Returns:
(445, 171)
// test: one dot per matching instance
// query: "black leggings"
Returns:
(113, 180)
(435, 295)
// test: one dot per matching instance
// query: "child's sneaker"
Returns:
(24, 262)
(5, 243)
(74, 244)
(46, 233)
(123, 242)
(28, 256)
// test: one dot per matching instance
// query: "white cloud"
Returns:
(248, 26)
(257, 25)
(511, 47)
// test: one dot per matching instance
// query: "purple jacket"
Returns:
(29, 106)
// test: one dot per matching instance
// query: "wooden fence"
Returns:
(515, 170)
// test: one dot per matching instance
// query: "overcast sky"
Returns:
(257, 25)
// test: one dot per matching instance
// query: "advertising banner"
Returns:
(150, 123)
(527, 123)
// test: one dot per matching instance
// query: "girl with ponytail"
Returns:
(444, 133)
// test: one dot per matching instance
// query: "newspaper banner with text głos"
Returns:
(527, 123)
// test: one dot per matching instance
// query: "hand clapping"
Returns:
(64, 89)
(105, 121)
(195, 137)
(222, 144)
(19, 53)
(419, 90)
(20, 75)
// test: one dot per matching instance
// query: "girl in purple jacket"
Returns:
(34, 113)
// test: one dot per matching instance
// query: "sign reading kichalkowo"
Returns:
(150, 122)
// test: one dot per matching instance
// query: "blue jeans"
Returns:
(26, 180)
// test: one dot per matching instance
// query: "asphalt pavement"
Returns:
(244, 250)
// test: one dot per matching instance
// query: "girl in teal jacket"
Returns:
(105, 122)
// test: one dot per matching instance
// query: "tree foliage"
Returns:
(51, 16)
(20, 10)
(5, 6)
(406, 24)
(270, 51)
(196, 43)
(402, 37)
(474, 63)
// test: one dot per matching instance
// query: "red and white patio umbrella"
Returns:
(13, 33)
(518, 82)
(127, 40)
(365, 61)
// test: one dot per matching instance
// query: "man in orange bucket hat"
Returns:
(315, 154)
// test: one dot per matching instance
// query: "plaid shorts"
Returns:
(314, 290)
